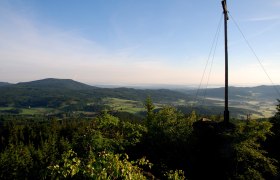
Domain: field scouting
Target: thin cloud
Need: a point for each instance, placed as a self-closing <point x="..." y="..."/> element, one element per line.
<point x="30" y="50"/>
<point x="268" y="18"/>
<point x="33" y="50"/>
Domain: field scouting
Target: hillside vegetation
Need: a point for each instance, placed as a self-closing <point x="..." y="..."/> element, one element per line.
<point x="165" y="144"/>
<point x="68" y="96"/>
<point x="62" y="129"/>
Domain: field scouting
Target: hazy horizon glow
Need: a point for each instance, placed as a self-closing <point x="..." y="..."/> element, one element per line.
<point x="135" y="42"/>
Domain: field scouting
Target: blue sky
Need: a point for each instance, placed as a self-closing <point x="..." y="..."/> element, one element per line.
<point x="136" y="42"/>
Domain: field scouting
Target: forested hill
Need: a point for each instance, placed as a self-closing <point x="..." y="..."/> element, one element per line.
<point x="55" y="84"/>
<point x="4" y="84"/>
<point x="241" y="93"/>
<point x="69" y="94"/>
<point x="55" y="92"/>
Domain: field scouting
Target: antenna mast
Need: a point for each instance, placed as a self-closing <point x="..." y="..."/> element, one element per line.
<point x="226" y="111"/>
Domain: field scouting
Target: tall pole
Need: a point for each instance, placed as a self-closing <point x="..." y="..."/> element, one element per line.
<point x="226" y="111"/>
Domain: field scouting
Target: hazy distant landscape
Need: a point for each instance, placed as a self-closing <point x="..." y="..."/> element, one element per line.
<point x="58" y="96"/>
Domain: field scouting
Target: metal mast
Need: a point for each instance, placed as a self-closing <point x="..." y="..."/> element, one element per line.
<point x="226" y="111"/>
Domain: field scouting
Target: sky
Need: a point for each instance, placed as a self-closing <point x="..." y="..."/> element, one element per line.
<point x="138" y="42"/>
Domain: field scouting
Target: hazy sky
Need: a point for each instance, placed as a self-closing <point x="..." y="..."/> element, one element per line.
<point x="136" y="41"/>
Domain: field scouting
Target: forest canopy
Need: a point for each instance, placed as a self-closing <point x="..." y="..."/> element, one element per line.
<point x="166" y="144"/>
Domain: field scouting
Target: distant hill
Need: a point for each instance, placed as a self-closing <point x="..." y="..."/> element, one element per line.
<point x="56" y="92"/>
<point x="55" y="83"/>
<point x="4" y="84"/>
<point x="241" y="93"/>
<point x="67" y="94"/>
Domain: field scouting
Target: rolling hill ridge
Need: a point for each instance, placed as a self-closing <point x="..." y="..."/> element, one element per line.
<point x="70" y="95"/>
<point x="43" y="92"/>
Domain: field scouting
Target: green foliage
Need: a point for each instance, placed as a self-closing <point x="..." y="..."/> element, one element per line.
<point x="107" y="121"/>
<point x="101" y="166"/>
<point x="273" y="145"/>
<point x="251" y="160"/>
<point x="107" y="133"/>
<point x="175" y="175"/>
<point x="275" y="120"/>
<point x="114" y="166"/>
<point x="172" y="125"/>
<point x="169" y="124"/>
<point x="168" y="139"/>
<point x="42" y="144"/>
<point x="15" y="162"/>
<point x="98" y="148"/>
<point x="68" y="167"/>
<point x="150" y="107"/>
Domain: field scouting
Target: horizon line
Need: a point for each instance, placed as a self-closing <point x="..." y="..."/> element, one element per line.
<point x="154" y="85"/>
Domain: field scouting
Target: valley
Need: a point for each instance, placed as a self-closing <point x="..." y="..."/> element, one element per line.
<point x="66" y="97"/>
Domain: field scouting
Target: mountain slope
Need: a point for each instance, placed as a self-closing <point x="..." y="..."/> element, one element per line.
<point x="241" y="93"/>
<point x="4" y="84"/>
<point x="56" y="92"/>
<point x="68" y="95"/>
<point x="55" y="83"/>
